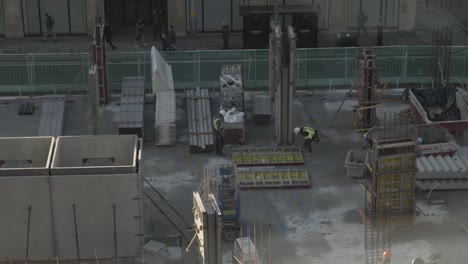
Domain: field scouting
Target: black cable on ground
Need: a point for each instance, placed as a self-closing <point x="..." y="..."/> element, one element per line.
<point x="167" y="217"/>
<point x="168" y="204"/>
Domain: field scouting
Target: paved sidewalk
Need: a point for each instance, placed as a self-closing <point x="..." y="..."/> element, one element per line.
<point x="426" y="20"/>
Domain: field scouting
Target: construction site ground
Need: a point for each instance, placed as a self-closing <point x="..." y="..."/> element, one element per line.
<point x="317" y="225"/>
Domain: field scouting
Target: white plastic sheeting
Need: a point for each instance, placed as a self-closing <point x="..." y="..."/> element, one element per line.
<point x="161" y="73"/>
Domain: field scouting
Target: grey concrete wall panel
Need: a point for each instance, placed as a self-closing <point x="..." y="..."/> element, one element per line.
<point x="84" y="155"/>
<point x="25" y="155"/>
<point x="16" y="194"/>
<point x="94" y="196"/>
<point x="52" y="197"/>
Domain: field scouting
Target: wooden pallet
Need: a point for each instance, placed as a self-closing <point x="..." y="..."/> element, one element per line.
<point x="251" y="157"/>
<point x="52" y="115"/>
<point x="266" y="178"/>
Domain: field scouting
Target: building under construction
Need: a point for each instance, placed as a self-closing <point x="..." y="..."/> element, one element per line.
<point x="117" y="157"/>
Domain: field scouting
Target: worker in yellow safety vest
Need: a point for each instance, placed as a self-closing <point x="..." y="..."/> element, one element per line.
<point x="218" y="125"/>
<point x="310" y="135"/>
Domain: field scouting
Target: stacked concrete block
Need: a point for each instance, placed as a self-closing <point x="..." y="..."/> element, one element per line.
<point x="447" y="172"/>
<point x="165" y="128"/>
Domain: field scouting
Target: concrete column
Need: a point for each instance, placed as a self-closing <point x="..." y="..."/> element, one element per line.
<point x="13" y="21"/>
<point x="407" y="15"/>
<point x="338" y="15"/>
<point x="93" y="8"/>
<point x="176" y="16"/>
<point x="91" y="12"/>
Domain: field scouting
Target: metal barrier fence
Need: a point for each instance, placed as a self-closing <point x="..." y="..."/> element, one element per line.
<point x="49" y="73"/>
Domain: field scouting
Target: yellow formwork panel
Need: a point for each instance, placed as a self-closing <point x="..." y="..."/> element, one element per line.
<point x="272" y="178"/>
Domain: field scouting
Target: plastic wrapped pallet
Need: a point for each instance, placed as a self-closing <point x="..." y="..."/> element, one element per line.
<point x="161" y="73"/>
<point x="165" y="128"/>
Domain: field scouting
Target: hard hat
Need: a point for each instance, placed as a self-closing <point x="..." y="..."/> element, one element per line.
<point x="417" y="261"/>
<point x="222" y="112"/>
<point x="387" y="254"/>
<point x="297" y="130"/>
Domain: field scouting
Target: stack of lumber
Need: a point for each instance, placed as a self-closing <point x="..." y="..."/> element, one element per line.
<point x="165" y="128"/>
<point x="199" y="121"/>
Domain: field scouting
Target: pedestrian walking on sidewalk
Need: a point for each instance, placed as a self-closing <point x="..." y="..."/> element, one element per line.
<point x="49" y="24"/>
<point x="156" y="26"/>
<point x="226" y="33"/>
<point x="140" y="33"/>
<point x="171" y="39"/>
<point x="108" y="34"/>
<point x="362" y="20"/>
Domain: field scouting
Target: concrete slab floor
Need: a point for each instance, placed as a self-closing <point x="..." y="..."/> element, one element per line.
<point x="316" y="225"/>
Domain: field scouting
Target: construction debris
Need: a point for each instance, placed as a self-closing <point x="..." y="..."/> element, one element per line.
<point x="441" y="106"/>
<point x="263" y="178"/>
<point x="165" y="127"/>
<point x="132" y="103"/>
<point x="248" y="157"/>
<point x="199" y="121"/>
<point x="231" y="88"/>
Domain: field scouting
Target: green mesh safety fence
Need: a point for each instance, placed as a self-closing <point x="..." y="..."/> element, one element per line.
<point x="321" y="67"/>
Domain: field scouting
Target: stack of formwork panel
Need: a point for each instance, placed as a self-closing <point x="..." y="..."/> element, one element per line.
<point x="442" y="172"/>
<point x="52" y="115"/>
<point x="199" y="121"/>
<point x="132" y="103"/>
<point x="165" y="128"/>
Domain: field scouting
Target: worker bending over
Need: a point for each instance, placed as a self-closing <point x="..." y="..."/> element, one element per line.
<point x="310" y="134"/>
<point x="218" y="125"/>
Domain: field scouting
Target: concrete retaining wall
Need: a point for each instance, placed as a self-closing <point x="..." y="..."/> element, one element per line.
<point x="53" y="198"/>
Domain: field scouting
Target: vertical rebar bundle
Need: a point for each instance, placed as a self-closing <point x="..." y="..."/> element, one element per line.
<point x="441" y="56"/>
<point x="283" y="80"/>
<point x="368" y="84"/>
<point x="390" y="184"/>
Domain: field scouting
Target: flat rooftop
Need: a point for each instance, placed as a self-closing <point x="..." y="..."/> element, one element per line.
<point x="316" y="225"/>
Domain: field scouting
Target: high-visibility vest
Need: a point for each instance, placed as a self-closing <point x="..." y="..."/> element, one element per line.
<point x="215" y="124"/>
<point x="311" y="132"/>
